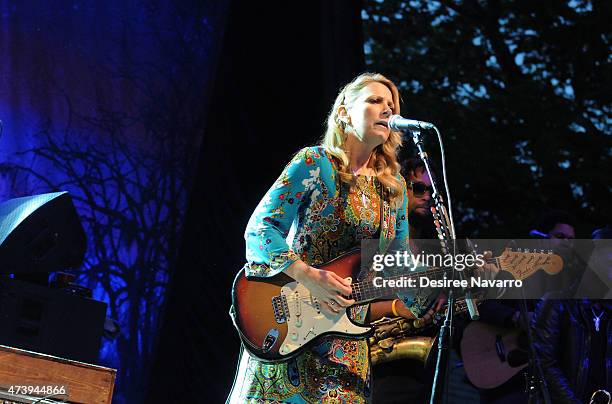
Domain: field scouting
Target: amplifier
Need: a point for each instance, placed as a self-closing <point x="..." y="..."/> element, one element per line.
<point x="50" y="321"/>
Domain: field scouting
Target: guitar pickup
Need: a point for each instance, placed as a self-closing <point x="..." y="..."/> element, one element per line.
<point x="281" y="309"/>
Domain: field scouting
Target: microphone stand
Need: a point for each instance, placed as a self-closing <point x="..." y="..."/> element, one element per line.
<point x="535" y="383"/>
<point x="445" y="235"/>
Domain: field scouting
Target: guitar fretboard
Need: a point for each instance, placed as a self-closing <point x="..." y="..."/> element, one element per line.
<point x="365" y="291"/>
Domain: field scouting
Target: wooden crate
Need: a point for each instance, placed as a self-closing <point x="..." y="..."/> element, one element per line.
<point x="84" y="383"/>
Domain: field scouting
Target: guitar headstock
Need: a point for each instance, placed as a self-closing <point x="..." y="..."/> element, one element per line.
<point x="522" y="263"/>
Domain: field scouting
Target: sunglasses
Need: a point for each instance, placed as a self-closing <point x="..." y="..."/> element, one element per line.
<point x="419" y="188"/>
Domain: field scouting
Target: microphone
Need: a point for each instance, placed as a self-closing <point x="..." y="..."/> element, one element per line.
<point x="398" y="123"/>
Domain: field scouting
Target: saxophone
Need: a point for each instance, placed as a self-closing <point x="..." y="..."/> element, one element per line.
<point x="395" y="338"/>
<point x="400" y="338"/>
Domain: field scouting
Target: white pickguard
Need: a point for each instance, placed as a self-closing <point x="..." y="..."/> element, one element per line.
<point x="307" y="321"/>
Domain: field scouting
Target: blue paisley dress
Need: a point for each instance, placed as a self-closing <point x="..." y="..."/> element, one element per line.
<point x="310" y="214"/>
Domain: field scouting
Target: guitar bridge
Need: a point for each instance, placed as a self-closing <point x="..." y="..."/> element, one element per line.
<point x="281" y="308"/>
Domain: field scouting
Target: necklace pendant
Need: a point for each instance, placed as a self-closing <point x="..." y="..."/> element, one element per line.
<point x="596" y="318"/>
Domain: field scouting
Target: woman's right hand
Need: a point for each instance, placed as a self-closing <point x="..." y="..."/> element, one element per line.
<point x="327" y="287"/>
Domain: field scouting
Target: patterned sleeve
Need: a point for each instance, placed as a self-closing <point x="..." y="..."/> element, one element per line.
<point x="267" y="251"/>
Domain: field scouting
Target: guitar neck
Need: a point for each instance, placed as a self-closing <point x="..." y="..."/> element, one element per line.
<point x="365" y="291"/>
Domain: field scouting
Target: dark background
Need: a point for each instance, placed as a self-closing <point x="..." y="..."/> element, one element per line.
<point x="277" y="77"/>
<point x="521" y="93"/>
<point x="168" y="120"/>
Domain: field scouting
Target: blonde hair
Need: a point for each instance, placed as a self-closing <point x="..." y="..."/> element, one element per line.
<point x="384" y="156"/>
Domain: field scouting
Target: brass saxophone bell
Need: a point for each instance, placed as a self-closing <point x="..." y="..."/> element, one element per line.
<point x="391" y="349"/>
<point x="395" y="338"/>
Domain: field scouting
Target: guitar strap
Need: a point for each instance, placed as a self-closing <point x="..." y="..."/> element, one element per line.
<point x="383" y="232"/>
<point x="385" y="217"/>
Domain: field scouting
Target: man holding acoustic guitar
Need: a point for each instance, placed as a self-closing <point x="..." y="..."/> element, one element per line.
<point x="495" y="349"/>
<point x="407" y="380"/>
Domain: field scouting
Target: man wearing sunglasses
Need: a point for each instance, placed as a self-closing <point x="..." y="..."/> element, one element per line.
<point x="420" y="219"/>
<point x="404" y="381"/>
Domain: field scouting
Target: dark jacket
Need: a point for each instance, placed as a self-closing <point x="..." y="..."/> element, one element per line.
<point x="562" y="331"/>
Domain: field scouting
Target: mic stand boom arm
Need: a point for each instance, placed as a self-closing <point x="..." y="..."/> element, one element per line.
<point x="444" y="226"/>
<point x="446" y="234"/>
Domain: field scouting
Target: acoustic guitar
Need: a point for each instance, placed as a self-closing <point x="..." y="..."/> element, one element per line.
<point x="492" y="354"/>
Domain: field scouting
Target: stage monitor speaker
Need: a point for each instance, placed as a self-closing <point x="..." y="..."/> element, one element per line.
<point x="40" y="233"/>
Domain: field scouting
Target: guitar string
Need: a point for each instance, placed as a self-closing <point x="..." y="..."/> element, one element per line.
<point x="366" y="289"/>
<point x="363" y="291"/>
<point x="460" y="305"/>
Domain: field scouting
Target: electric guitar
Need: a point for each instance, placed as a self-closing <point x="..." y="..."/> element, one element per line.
<point x="276" y="317"/>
